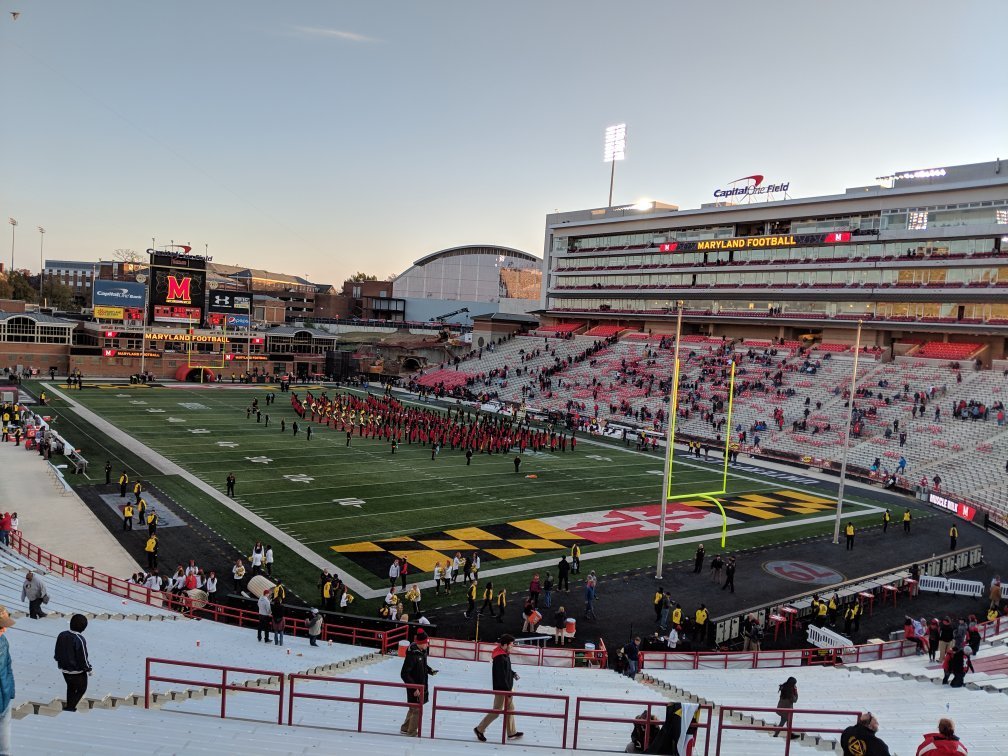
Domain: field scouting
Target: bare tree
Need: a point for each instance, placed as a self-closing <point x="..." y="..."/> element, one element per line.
<point x="127" y="256"/>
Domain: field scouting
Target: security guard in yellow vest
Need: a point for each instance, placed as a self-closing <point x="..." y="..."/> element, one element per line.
<point x="659" y="595"/>
<point x="142" y="510"/>
<point x="849" y="532"/>
<point x="128" y="517"/>
<point x="906" y="521"/>
<point x="327" y="594"/>
<point x="501" y="603"/>
<point x="471" y="597"/>
<point x="152" y="549"/>
<point x="677" y="616"/>
<point x="152" y="523"/>
<point x="821" y="610"/>
<point x="488" y="596"/>
<point x="886" y="519"/>
<point x="123" y="482"/>
<point x="137" y="489"/>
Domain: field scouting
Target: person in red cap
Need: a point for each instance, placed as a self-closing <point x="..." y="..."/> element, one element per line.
<point x="414" y="672"/>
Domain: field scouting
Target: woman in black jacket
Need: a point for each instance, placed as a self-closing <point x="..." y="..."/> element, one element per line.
<point x="72" y="659"/>
<point x="788" y="697"/>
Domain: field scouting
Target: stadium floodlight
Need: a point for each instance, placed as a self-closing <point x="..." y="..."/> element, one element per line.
<point x="13" y="224"/>
<point x="615" y="149"/>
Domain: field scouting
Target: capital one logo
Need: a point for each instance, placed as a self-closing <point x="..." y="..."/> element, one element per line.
<point x="178" y="290"/>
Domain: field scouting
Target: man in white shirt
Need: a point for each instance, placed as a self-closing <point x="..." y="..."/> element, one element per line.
<point x="269" y="561"/>
<point x="265" y="616"/>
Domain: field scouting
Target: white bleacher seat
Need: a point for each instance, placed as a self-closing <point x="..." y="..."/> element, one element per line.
<point x="118" y="648"/>
<point x="65" y="595"/>
<point x="905" y="709"/>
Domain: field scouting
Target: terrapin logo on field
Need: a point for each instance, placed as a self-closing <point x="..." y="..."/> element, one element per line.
<point x="749" y="186"/>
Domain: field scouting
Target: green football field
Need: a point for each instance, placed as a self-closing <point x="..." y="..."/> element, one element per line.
<point x="361" y="505"/>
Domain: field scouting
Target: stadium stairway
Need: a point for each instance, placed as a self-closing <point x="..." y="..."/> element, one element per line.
<point x="905" y="708"/>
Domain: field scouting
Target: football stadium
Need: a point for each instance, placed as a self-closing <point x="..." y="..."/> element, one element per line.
<point x="727" y="480"/>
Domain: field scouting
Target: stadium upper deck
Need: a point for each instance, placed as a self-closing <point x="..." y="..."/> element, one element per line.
<point x="925" y="251"/>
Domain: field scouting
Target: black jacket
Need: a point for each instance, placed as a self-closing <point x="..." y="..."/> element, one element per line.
<point x="503" y="675"/>
<point x="564" y="568"/>
<point x="415" y="669"/>
<point x="858" y="740"/>
<point x="71" y="652"/>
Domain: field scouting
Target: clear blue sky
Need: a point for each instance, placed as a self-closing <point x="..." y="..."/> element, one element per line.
<point x="324" y="137"/>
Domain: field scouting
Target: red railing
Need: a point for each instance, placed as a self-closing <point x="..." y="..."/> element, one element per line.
<point x="787" y="728"/>
<point x="360" y="700"/>
<point x="508" y="695"/>
<point x="223" y="686"/>
<point x="774" y="658"/>
<point x="579" y="718"/>
<point x="537" y="656"/>
<point x="384" y="639"/>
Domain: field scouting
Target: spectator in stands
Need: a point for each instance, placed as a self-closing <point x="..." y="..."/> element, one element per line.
<point x="944" y="741"/>
<point x="72" y="659"/>
<point x="504" y="678"/>
<point x="34" y="592"/>
<point x="786" y="700"/>
<point x="415" y="671"/>
<point x="6" y="683"/>
<point x="861" y="739"/>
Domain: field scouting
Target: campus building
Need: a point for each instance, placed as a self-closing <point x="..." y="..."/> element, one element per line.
<point x="918" y="255"/>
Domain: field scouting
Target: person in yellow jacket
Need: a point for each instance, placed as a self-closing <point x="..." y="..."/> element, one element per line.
<point x="328" y="600"/>
<point x="142" y="510"/>
<point x="152" y="523"/>
<point x="137" y="490"/>
<point x="488" y="597"/>
<point x="822" y="609"/>
<point x="501" y="603"/>
<point x="279" y="592"/>
<point x="152" y="551"/>
<point x="700" y="617"/>
<point x="128" y="517"/>
<point x="886" y="519"/>
<point x="575" y="559"/>
<point x="849" y="532"/>
<point x="906" y="522"/>
<point x="123" y="482"/>
<point x="953" y="537"/>
<point x="659" y="595"/>
<point x="471" y="597"/>
<point x="677" y="617"/>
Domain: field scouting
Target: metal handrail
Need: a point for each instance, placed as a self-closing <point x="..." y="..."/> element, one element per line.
<point x="360" y="699"/>
<point x="579" y="717"/>
<point x="223" y="686"/>
<point x="788" y="728"/>
<point x="508" y="694"/>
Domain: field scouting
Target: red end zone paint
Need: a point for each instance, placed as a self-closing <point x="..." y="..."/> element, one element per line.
<point x="629" y="523"/>
<point x="803" y="572"/>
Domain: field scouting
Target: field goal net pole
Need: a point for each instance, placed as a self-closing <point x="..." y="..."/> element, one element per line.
<point x="711" y="496"/>
<point x="667" y="474"/>
<point x="203" y="367"/>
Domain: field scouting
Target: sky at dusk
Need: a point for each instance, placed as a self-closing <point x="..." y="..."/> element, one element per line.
<point x="319" y="137"/>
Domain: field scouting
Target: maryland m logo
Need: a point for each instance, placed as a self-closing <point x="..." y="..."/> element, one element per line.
<point x="178" y="291"/>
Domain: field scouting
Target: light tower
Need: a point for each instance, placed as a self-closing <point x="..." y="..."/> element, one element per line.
<point x="615" y="149"/>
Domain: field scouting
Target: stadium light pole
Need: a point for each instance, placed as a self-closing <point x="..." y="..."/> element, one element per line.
<point x="850" y="420"/>
<point x="45" y="301"/>
<point x="615" y="149"/>
<point x="13" y="224"/>
<point x="667" y="477"/>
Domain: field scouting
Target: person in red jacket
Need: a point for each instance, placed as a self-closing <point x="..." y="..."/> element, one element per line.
<point x="945" y="741"/>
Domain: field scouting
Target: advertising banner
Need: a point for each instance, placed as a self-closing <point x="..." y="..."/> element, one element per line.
<point x="119" y="294"/>
<point x="237" y="303"/>
<point x="101" y="312"/>
<point x="231" y="322"/>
